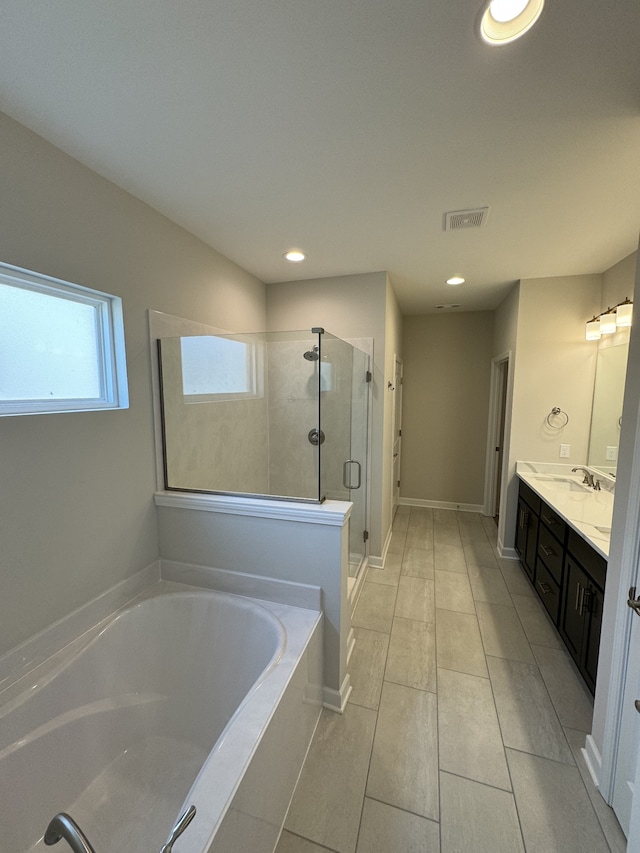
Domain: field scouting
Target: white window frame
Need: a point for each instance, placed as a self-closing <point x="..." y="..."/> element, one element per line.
<point x="254" y="367"/>
<point x="109" y="339"/>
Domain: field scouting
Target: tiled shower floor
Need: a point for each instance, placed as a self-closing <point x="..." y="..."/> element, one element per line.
<point x="464" y="727"/>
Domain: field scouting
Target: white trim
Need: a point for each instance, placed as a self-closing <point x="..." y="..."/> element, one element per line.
<point x="441" y="505"/>
<point x="331" y="513"/>
<point x="358" y="581"/>
<point x="622" y="573"/>
<point x="108" y="340"/>
<point x="378" y="562"/>
<point x="507" y="553"/>
<point x="498" y="377"/>
<point x="336" y="700"/>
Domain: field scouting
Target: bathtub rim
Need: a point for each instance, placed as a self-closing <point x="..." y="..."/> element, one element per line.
<point x="237" y="743"/>
<point x="24" y="688"/>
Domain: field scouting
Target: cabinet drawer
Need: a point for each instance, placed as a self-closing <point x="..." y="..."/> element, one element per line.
<point x="548" y="590"/>
<point x="550" y="551"/>
<point x="593" y="563"/>
<point x="554" y="523"/>
<point x="530" y="497"/>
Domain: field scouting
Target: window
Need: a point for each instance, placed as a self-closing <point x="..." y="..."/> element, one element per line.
<point x="218" y="368"/>
<point x="61" y="346"/>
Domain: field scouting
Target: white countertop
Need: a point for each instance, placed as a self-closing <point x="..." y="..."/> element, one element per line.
<point x="588" y="511"/>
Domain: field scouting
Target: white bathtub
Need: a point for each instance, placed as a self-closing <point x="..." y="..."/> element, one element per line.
<point x="186" y="697"/>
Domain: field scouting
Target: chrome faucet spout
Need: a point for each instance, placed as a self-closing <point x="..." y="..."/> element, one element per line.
<point x="63" y="826"/>
<point x="182" y="823"/>
<point x="588" y="477"/>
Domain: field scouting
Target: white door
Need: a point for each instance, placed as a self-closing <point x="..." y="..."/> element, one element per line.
<point x="397" y="430"/>
<point x="627" y="766"/>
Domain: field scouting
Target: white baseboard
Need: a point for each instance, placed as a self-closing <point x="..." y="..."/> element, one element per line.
<point x="442" y="505"/>
<point x="336" y="700"/>
<point x="378" y="562"/>
<point x="507" y="553"/>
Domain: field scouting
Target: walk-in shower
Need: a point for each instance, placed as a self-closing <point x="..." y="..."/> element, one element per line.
<point x="282" y="415"/>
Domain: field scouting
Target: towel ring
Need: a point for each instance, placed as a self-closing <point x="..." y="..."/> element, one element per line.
<point x="553" y="414"/>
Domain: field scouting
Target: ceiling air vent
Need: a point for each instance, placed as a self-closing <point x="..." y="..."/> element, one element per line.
<point x="454" y="220"/>
<point x="451" y="305"/>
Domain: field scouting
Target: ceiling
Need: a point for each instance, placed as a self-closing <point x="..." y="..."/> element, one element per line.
<point x="348" y="129"/>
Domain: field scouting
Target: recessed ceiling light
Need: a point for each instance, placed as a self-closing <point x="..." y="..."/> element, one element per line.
<point x="505" y="21"/>
<point x="455" y="279"/>
<point x="295" y="256"/>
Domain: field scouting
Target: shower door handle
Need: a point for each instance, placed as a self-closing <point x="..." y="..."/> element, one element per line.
<point x="345" y="474"/>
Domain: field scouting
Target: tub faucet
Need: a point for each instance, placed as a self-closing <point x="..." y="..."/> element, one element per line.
<point x="182" y="823"/>
<point x="588" y="477"/>
<point x="63" y="826"/>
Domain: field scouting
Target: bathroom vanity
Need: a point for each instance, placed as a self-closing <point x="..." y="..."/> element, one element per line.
<point x="562" y="538"/>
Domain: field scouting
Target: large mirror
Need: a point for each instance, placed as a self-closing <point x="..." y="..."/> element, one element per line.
<point x="606" y="414"/>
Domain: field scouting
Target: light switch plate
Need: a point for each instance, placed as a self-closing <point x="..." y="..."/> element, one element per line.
<point x="612" y="454"/>
<point x="565" y="451"/>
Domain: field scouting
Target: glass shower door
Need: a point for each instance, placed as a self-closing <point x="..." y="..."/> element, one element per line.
<point x="344" y="396"/>
<point x="358" y="474"/>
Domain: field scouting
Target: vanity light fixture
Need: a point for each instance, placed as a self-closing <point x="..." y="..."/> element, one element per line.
<point x="624" y="313"/>
<point x="295" y="256"/>
<point x="610" y="320"/>
<point x="593" y="332"/>
<point x="505" y="21"/>
<point x="455" y="279"/>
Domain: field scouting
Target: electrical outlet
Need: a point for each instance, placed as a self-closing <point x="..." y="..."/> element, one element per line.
<point x="565" y="451"/>
<point x="611" y="454"/>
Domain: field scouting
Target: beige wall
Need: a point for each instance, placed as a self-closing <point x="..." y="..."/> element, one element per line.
<point x="447" y="367"/>
<point x="350" y="307"/>
<point x="618" y="282"/>
<point x="76" y="506"/>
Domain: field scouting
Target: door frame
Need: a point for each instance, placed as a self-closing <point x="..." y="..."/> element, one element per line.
<point x="623" y="572"/>
<point x="396" y="427"/>
<point x="501" y="377"/>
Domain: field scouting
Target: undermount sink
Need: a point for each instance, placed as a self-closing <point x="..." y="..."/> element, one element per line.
<point x="566" y="485"/>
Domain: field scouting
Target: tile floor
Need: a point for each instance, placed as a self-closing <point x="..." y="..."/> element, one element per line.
<point x="466" y="720"/>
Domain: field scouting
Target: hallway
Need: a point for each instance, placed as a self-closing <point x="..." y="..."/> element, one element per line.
<point x="466" y="720"/>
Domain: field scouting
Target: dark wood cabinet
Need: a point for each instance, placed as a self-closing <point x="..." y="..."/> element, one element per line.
<point x="581" y="614"/>
<point x="567" y="573"/>
<point x="527" y="529"/>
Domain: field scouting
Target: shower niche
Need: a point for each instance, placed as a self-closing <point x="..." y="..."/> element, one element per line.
<point x="280" y="415"/>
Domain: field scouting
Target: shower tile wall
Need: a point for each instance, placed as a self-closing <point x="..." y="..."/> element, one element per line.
<point x="212" y="446"/>
<point x="292" y="384"/>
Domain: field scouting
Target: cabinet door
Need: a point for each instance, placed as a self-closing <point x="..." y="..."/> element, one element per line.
<point x="572" y="619"/>
<point x="521" y="529"/>
<point x="591" y="646"/>
<point x="532" y="545"/>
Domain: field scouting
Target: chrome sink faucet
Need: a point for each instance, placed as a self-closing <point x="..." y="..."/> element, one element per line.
<point x="588" y="478"/>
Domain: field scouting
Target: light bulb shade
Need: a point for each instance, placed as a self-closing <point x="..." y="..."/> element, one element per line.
<point x="608" y="323"/>
<point x="624" y="314"/>
<point x="593" y="330"/>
